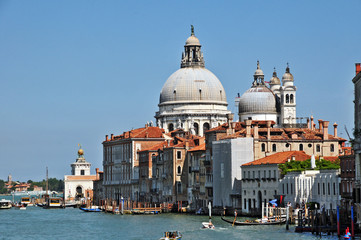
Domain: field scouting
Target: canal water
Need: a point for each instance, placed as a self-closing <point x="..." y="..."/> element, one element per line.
<point x="72" y="223"/>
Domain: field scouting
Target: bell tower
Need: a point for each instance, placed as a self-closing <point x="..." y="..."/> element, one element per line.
<point x="81" y="166"/>
<point x="288" y="99"/>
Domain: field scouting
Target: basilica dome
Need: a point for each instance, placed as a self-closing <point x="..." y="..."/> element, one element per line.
<point x="193" y="84"/>
<point x="257" y="99"/>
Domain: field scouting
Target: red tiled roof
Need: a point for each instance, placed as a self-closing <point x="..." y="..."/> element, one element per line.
<point x="280" y="157"/>
<point x="201" y="147"/>
<point x="81" y="177"/>
<point x="146" y="132"/>
<point x="155" y="147"/>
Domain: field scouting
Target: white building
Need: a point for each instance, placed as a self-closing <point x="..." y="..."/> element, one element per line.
<point x="228" y="156"/>
<point x="260" y="179"/>
<point x="319" y="186"/>
<point x="80" y="181"/>
<point x="192" y="98"/>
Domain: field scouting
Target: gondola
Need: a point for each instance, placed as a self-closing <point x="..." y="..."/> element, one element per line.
<point x="248" y="223"/>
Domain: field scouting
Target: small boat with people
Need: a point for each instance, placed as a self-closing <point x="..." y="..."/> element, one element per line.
<point x="209" y="224"/>
<point x="171" y="236"/>
<point x="5" y="204"/>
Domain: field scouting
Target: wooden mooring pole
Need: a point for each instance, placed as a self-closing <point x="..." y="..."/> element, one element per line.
<point x="338" y="221"/>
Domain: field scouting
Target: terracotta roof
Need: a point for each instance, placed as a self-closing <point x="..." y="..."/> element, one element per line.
<point x="155" y="147"/>
<point x="280" y="157"/>
<point x="201" y="147"/>
<point x="330" y="158"/>
<point x="146" y="132"/>
<point x="81" y="177"/>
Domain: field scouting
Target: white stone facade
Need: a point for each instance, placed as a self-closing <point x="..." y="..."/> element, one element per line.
<point x="320" y="186"/>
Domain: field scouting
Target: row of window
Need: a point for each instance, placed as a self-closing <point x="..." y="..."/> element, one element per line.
<point x="259" y="174"/>
<point x="300" y="147"/>
<point x="206" y="127"/>
<point x="289" y="188"/>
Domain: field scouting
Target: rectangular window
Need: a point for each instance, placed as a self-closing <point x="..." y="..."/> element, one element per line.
<point x="179" y="154"/>
<point x="328" y="188"/>
<point x="259" y="174"/>
<point x="264" y="173"/>
<point x="274" y="174"/>
<point x="253" y="174"/>
<point x="287" y="188"/>
<point x="222" y="170"/>
<point x="283" y="188"/>
<point x="291" y="188"/>
<point x="245" y="203"/>
<point x="334" y="189"/>
<point x="323" y="189"/>
<point x="269" y="173"/>
<point x="318" y="188"/>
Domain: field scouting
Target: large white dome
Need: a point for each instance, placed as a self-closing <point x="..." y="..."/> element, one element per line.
<point x="193" y="84"/>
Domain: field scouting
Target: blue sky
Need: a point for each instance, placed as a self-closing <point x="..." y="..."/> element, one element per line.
<point x="73" y="71"/>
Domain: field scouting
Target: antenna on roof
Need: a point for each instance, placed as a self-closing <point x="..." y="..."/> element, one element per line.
<point x="347" y="134"/>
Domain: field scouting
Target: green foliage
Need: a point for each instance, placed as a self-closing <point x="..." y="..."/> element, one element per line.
<point x="2" y="187"/>
<point x="54" y="184"/>
<point x="293" y="166"/>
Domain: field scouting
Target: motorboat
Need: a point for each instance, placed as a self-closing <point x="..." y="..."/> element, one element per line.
<point x="91" y="209"/>
<point x="255" y="222"/>
<point x="54" y="202"/>
<point x="209" y="225"/>
<point x="5" y="204"/>
<point x="26" y="201"/>
<point x="171" y="236"/>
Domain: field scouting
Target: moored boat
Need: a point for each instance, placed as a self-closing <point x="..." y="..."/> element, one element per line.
<point x="255" y="222"/>
<point x="54" y="202"/>
<point x="92" y="209"/>
<point x="171" y="236"/>
<point x="26" y="201"/>
<point x="5" y="204"/>
<point x="209" y="224"/>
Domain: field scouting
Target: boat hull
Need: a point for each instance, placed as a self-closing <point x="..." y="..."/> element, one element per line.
<point x="238" y="223"/>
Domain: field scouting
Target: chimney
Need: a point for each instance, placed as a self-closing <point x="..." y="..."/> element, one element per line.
<point x="308" y="123"/>
<point x="325" y="130"/>
<point x="358" y="68"/>
<point x="268" y="130"/>
<point x="293" y="158"/>
<point x="255" y="132"/>
<point x="248" y="128"/>
<point x="97" y="173"/>
<point x="229" y="122"/>
<point x="320" y="125"/>
<point x="187" y="145"/>
<point x="106" y="138"/>
<point x="335" y="130"/>
<point x="312" y="123"/>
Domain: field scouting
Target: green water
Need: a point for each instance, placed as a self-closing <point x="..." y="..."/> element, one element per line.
<point x="72" y="223"/>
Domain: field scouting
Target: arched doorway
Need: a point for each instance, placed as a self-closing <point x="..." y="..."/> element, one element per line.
<point x="170" y="127"/>
<point x="206" y="127"/>
<point x="79" y="192"/>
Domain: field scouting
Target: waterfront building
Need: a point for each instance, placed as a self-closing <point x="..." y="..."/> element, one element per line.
<point x="260" y="179"/>
<point x="80" y="183"/>
<point x="192" y="98"/>
<point x="316" y="186"/>
<point x="347" y="167"/>
<point x="357" y="141"/>
<point x="228" y="156"/>
<point x="197" y="168"/>
<point x="98" y="189"/>
<point x="121" y="162"/>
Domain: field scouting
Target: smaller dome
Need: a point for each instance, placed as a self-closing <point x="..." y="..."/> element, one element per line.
<point x="192" y="41"/>
<point x="275" y="80"/>
<point x="258" y="99"/>
<point x="287" y="76"/>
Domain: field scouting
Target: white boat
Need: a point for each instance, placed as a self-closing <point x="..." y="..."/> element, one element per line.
<point x="209" y="224"/>
<point x="22" y="208"/>
<point x="5" y="204"/>
<point x="54" y="202"/>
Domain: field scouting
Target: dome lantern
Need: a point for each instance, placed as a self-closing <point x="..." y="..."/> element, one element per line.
<point x="258" y="76"/>
<point x="192" y="55"/>
<point x="287" y="76"/>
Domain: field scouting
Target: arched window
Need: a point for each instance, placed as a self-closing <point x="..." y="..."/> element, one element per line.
<point x="170" y="127"/>
<point x="287" y="98"/>
<point x="332" y="148"/>
<point x="274" y="148"/>
<point x="301" y="147"/>
<point x="318" y="148"/>
<point x="196" y="128"/>
<point x="205" y="127"/>
<point x="263" y="147"/>
<point x="179" y="170"/>
<point x="291" y="98"/>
